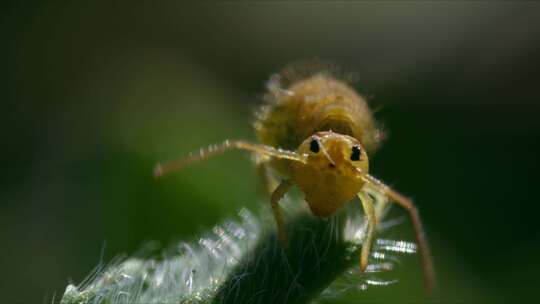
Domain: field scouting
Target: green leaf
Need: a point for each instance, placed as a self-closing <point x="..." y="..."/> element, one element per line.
<point x="241" y="261"/>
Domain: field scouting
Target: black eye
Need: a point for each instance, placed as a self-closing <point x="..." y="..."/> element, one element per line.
<point x="356" y="152"/>
<point x="314" y="145"/>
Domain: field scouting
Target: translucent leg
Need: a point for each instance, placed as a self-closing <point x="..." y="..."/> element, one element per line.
<point x="269" y="182"/>
<point x="423" y="247"/>
<point x="276" y="211"/>
<point x="371" y="221"/>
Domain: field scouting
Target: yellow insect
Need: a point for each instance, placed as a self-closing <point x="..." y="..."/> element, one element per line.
<point x="316" y="132"/>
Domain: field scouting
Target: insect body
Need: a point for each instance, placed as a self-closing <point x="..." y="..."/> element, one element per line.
<point x="328" y="124"/>
<point x="316" y="133"/>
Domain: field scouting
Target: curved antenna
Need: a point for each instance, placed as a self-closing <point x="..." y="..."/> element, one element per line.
<point x="205" y="153"/>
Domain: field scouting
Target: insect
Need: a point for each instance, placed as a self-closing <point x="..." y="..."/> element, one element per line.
<point x="316" y="133"/>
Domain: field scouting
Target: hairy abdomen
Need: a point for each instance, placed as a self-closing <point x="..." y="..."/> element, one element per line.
<point x="318" y="103"/>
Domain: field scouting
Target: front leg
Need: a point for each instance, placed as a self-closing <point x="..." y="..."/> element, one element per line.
<point x="277" y="195"/>
<point x="371" y="221"/>
<point x="269" y="182"/>
<point x="398" y="198"/>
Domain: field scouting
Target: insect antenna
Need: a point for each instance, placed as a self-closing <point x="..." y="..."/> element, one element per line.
<point x="205" y="153"/>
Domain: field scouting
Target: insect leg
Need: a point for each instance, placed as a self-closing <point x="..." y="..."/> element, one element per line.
<point x="161" y="169"/>
<point x="425" y="255"/>
<point x="369" y="210"/>
<point x="268" y="181"/>
<point x="277" y="195"/>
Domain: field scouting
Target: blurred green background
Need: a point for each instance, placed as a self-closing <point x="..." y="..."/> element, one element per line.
<point x="95" y="94"/>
